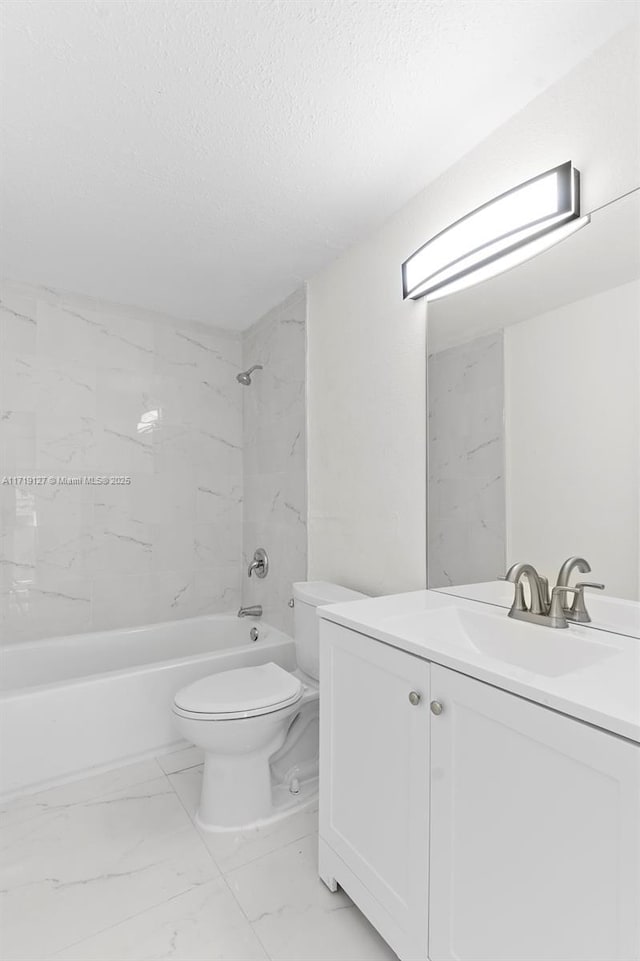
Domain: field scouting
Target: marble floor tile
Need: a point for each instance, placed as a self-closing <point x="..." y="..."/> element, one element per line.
<point x="204" y="923"/>
<point x="81" y="868"/>
<point x="296" y="917"/>
<point x="112" y="867"/>
<point x="63" y="796"/>
<point x="235" y="848"/>
<point x="186" y="784"/>
<point x="181" y="760"/>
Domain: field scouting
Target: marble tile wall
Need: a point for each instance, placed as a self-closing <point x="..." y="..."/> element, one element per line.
<point x="275" y="491"/>
<point x="90" y="389"/>
<point x="466" y="509"/>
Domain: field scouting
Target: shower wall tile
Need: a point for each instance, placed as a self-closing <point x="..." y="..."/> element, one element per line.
<point x="18" y="327"/>
<point x="43" y="603"/>
<point x="275" y="486"/>
<point x="467" y="516"/>
<point x="91" y="389"/>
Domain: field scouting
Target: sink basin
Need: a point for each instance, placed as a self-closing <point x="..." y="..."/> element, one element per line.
<point x="541" y="650"/>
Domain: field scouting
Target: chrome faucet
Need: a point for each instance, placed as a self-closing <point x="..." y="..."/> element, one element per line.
<point x="550" y="611"/>
<point x="254" y="611"/>
<point x="542" y="610"/>
<point x="572" y="564"/>
<point x="537" y="589"/>
<point x="259" y="564"/>
<point x="577" y="610"/>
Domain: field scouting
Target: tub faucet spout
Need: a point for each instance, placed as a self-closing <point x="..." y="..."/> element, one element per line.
<point x="255" y="611"/>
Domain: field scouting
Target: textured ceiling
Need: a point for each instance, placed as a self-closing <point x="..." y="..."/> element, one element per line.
<point x="203" y="158"/>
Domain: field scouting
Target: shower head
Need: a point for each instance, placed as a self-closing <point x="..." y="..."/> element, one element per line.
<point x="245" y="377"/>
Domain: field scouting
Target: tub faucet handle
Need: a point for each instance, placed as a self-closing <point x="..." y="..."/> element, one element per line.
<point x="260" y="563"/>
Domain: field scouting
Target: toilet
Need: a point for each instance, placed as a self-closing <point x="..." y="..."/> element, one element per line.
<point x="258" y="727"/>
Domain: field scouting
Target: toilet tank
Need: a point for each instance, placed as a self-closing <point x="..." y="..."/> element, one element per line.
<point x="307" y="596"/>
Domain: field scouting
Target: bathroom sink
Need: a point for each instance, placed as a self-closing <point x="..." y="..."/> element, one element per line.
<point x="541" y="650"/>
<point x="589" y="675"/>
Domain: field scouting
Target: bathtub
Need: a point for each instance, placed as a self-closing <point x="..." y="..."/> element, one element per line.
<point x="84" y="703"/>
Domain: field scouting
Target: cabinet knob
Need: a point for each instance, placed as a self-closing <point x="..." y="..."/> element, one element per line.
<point x="414" y="698"/>
<point x="436" y="708"/>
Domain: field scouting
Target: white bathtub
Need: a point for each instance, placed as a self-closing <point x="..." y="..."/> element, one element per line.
<point x="71" y="704"/>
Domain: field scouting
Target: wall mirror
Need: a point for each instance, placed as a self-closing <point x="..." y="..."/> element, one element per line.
<point x="534" y="416"/>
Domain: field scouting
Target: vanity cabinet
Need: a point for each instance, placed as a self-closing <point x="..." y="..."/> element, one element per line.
<point x="494" y="830"/>
<point x="535" y="841"/>
<point x="374" y="777"/>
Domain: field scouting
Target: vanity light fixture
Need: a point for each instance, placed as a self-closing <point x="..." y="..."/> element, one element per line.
<point x="504" y="232"/>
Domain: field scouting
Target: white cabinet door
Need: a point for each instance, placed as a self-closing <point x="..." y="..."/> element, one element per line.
<point x="374" y="770"/>
<point x="535" y="846"/>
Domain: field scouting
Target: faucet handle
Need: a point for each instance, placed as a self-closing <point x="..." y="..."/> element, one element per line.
<point x="519" y="602"/>
<point x="557" y="611"/>
<point x="578" y="611"/>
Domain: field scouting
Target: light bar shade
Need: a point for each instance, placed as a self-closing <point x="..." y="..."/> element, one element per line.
<point x="484" y="242"/>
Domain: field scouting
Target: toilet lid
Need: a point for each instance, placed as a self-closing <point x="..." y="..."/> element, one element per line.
<point x="241" y="692"/>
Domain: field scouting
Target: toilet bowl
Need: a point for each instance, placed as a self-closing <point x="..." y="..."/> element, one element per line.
<point x="258" y="728"/>
<point x="239" y="718"/>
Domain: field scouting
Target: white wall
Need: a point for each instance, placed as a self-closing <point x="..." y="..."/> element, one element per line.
<point x="366" y="349"/>
<point x="573" y="449"/>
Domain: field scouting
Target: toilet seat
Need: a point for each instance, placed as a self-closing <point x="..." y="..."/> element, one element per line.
<point x="240" y="693"/>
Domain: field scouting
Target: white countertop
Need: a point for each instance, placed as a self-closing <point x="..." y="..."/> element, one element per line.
<point x="595" y="677"/>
